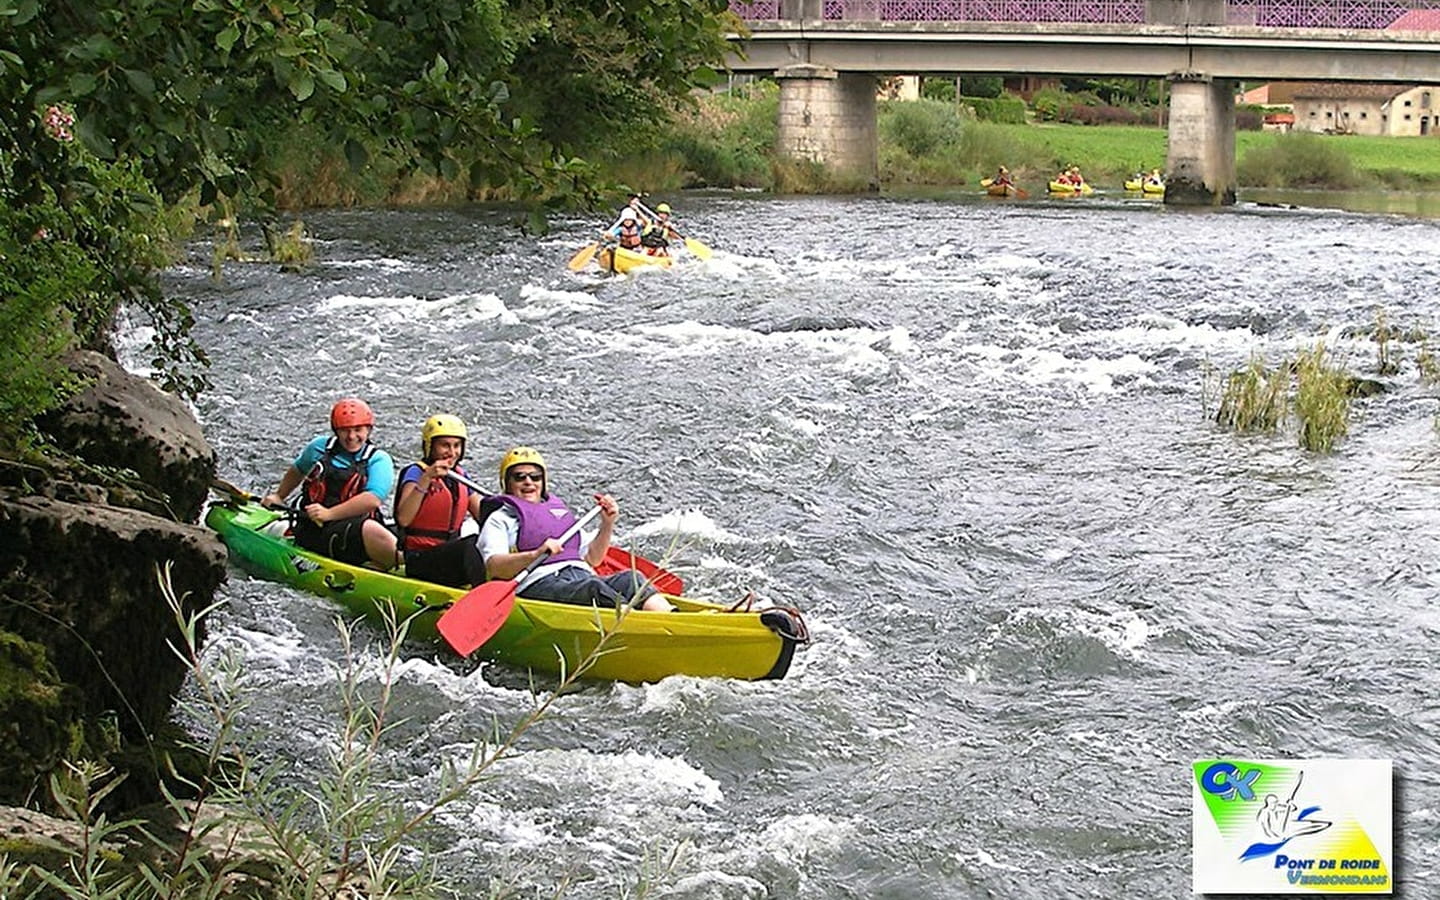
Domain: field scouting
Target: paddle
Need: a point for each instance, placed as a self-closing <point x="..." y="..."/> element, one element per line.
<point x="478" y="614"/>
<point x="616" y="559"/>
<point x="694" y="246"/>
<point x="582" y="259"/>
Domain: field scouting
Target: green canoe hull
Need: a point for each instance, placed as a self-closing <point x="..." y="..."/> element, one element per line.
<point x="700" y="639"/>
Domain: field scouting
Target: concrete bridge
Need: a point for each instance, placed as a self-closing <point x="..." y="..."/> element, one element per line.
<point x="826" y="55"/>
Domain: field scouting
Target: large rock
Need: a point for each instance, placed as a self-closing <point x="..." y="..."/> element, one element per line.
<point x="122" y="420"/>
<point x="81" y="580"/>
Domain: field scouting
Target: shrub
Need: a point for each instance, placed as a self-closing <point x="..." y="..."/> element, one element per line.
<point x="942" y="89"/>
<point x="1298" y="159"/>
<point x="729" y="138"/>
<point x="1009" y="109"/>
<point x="920" y="128"/>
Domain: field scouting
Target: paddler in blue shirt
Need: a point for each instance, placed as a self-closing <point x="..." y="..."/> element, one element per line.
<point x="345" y="479"/>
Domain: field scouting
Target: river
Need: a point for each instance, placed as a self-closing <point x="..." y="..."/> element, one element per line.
<point x="970" y="440"/>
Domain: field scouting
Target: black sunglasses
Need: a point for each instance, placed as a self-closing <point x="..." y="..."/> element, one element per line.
<point x="536" y="477"/>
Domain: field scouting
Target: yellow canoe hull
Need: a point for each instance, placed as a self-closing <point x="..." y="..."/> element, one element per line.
<point x="1070" y="190"/>
<point x="1148" y="187"/>
<point x="618" y="259"/>
<point x="700" y="639"/>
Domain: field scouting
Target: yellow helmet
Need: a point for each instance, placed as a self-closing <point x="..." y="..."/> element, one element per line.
<point x="663" y="208"/>
<point x="442" y="425"/>
<point x="519" y="456"/>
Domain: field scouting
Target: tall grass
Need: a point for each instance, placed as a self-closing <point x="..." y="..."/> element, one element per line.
<point x="1310" y="390"/>
<point x="1322" y="400"/>
<point x="237" y="827"/>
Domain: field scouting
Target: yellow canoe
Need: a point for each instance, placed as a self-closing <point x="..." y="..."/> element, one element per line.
<point x="699" y="638"/>
<point x="618" y="259"/>
<point x="1062" y="189"/>
<point x="1146" y="187"/>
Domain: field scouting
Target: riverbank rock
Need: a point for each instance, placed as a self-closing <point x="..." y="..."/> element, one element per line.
<point x="87" y="665"/>
<point x="124" y="421"/>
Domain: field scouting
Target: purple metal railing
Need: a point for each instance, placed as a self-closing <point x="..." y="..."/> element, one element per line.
<point x="1358" y="14"/>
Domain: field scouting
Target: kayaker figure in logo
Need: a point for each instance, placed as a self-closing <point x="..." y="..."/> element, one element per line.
<point x="524" y="521"/>
<point x="345" y="480"/>
<point x="1275" y="817"/>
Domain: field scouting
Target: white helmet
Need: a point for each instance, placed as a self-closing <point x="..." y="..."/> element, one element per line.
<point x="627" y="213"/>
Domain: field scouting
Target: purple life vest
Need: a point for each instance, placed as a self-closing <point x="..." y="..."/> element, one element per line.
<point x="541" y="521"/>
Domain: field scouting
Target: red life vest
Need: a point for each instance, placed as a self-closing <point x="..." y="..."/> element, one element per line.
<point x="629" y="237"/>
<point x="441" y="513"/>
<point x="331" y="485"/>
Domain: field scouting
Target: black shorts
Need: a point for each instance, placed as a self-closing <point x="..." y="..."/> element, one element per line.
<point x="455" y="563"/>
<point x="342" y="539"/>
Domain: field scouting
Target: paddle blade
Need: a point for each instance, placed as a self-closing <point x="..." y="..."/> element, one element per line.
<point x="1022" y="193"/>
<point x="582" y="259"/>
<point x="986" y="182"/>
<point x="700" y="250"/>
<point x="617" y="560"/>
<point x="476" y="616"/>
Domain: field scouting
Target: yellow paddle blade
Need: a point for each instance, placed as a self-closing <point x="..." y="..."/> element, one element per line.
<point x="986" y="182"/>
<point x="700" y="250"/>
<point x="582" y="259"/>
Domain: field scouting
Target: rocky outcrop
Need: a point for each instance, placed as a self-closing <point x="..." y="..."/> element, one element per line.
<point x="122" y="420"/>
<point x="87" y="669"/>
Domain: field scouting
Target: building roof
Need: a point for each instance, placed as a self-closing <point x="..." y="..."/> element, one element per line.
<point x="1274" y="93"/>
<point x="1416" y="20"/>
<point x="1343" y="90"/>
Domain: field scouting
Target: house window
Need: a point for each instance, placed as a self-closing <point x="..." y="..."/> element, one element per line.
<point x="1407" y="102"/>
<point x="1425" y="100"/>
<point x="1312" y="113"/>
<point x="1329" y="114"/>
<point x="1407" y="117"/>
<point x="1364" y="115"/>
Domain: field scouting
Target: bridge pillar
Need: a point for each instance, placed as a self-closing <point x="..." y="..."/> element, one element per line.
<point x="829" y="118"/>
<point x="1200" y="164"/>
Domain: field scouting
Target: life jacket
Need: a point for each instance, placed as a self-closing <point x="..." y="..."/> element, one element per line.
<point x="329" y="484"/>
<point x="539" y="522"/>
<point x="629" y="236"/>
<point x="441" y="513"/>
<point x="655" y="235"/>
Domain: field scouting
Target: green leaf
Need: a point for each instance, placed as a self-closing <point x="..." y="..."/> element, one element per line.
<point x="25" y="11"/>
<point x="332" y="79"/>
<point x="143" y="84"/>
<point x="82" y="84"/>
<point x="302" y="85"/>
<point x="438" y="71"/>
<point x="227" y="38"/>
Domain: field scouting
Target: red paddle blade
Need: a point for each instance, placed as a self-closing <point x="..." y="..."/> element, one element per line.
<point x="476" y="616"/>
<point x="618" y="560"/>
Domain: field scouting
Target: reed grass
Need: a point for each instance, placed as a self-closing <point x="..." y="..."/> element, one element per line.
<point x="1426" y="364"/>
<point x="1254" y="399"/>
<point x="1386" y="362"/>
<point x="1310" y="390"/>
<point x="1322" y="400"/>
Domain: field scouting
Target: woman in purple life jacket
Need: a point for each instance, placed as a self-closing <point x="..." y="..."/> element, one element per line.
<point x="526" y="520"/>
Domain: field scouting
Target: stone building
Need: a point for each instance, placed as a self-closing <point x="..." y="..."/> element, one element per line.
<point x="1372" y="109"/>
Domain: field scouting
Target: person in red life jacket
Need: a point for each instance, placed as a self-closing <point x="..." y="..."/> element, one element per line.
<point x="431" y="508"/>
<point x="627" y="229"/>
<point x="526" y="520"/>
<point x="656" y="236"/>
<point x="345" y="479"/>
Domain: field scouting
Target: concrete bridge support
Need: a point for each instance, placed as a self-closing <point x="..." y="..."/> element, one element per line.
<point x="829" y="118"/>
<point x="1200" y="165"/>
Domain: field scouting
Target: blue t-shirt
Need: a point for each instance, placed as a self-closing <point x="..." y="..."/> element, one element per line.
<point x="379" y="471"/>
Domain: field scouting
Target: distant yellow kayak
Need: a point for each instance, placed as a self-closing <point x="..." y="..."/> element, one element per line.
<point x="1062" y="189"/>
<point x="618" y="259"/>
<point x="1147" y="187"/>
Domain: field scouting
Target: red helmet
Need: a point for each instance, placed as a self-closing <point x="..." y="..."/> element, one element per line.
<point x="350" y="412"/>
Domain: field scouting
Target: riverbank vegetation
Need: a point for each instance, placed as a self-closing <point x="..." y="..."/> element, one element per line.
<point x="235" y="823"/>
<point x="940" y="140"/>
<point x="122" y="122"/>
